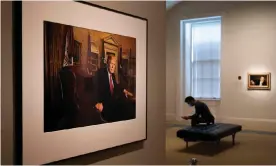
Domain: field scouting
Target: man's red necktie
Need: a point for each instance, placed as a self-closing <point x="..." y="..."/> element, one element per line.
<point x="111" y="84"/>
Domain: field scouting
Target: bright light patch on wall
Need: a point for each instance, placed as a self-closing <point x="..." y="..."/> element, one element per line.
<point x="262" y="95"/>
<point x="201" y="54"/>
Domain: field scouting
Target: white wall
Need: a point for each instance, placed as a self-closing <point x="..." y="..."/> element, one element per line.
<point x="248" y="32"/>
<point x="153" y="150"/>
<point x="249" y="40"/>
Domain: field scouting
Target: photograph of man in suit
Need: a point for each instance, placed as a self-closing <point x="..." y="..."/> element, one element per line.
<point x="112" y="99"/>
<point x="259" y="82"/>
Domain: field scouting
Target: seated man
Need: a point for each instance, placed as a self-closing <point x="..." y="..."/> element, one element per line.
<point x="202" y="112"/>
<point x="112" y="98"/>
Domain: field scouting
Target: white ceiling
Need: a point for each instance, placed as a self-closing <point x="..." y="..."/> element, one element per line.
<point x="171" y="3"/>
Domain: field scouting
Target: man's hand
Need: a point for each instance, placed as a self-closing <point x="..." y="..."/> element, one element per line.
<point x="99" y="106"/>
<point x="127" y="93"/>
<point x="185" y="117"/>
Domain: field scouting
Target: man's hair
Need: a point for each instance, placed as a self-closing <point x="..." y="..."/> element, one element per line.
<point x="189" y="99"/>
<point x="109" y="57"/>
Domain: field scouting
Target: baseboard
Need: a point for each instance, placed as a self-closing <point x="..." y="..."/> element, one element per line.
<point x="251" y="124"/>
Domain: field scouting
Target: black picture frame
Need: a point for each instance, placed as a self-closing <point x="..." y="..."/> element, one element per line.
<point x="17" y="75"/>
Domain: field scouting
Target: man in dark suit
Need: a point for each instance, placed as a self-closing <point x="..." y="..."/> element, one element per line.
<point x="112" y="98"/>
<point x="202" y="112"/>
<point x="261" y="82"/>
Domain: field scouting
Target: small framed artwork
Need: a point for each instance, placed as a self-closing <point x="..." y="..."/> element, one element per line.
<point x="259" y="81"/>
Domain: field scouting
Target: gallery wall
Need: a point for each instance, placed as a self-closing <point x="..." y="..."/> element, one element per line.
<point x="0" y="81"/>
<point x="152" y="151"/>
<point x="248" y="45"/>
<point x="6" y="84"/>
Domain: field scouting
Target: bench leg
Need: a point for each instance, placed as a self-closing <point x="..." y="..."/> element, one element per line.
<point x="233" y="138"/>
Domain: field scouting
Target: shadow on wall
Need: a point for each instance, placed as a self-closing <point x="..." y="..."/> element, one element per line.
<point x="92" y="158"/>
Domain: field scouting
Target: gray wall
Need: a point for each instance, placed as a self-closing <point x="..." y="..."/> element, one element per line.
<point x="6" y="84"/>
<point x="153" y="150"/>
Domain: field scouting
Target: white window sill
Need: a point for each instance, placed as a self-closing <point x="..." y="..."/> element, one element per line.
<point x="208" y="99"/>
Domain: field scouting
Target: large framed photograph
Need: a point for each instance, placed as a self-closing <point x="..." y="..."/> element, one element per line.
<point x="259" y="81"/>
<point x="83" y="73"/>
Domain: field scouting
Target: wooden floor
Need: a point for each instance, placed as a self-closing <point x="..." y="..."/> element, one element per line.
<point x="252" y="148"/>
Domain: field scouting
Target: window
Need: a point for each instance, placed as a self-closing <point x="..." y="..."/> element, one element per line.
<point x="201" y="47"/>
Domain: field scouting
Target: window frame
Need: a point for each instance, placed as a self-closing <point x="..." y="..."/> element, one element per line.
<point x="186" y="52"/>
